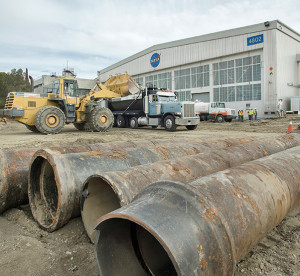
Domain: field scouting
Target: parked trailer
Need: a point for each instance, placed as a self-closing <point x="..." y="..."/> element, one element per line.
<point x="153" y="107"/>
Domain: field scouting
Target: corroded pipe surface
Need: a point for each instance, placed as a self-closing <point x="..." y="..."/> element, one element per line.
<point x="55" y="180"/>
<point x="15" y="165"/>
<point x="108" y="191"/>
<point x="204" y="228"/>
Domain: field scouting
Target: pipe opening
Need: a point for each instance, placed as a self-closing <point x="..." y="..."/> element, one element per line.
<point x="43" y="192"/>
<point x="144" y="253"/>
<point x="97" y="199"/>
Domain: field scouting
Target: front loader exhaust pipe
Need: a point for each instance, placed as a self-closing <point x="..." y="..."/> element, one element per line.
<point x="108" y="191"/>
<point x="203" y="228"/>
<point x="55" y="180"/>
<point x="31" y="83"/>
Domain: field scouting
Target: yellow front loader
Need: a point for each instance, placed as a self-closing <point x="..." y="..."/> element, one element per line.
<point x="49" y="112"/>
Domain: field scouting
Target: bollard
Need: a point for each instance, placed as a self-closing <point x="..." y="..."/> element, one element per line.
<point x="203" y="228"/>
<point x="55" y="180"/>
<point x="109" y="191"/>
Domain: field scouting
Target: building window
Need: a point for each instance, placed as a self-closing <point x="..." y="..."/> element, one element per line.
<point x="200" y="76"/>
<point x="183" y="95"/>
<point x="139" y="80"/>
<point x="163" y="80"/>
<point x="216" y="94"/>
<point x="238" y="93"/>
<point x="192" y="77"/>
<point x="238" y="71"/>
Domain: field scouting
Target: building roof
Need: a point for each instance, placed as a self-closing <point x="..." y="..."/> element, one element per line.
<point x="268" y="25"/>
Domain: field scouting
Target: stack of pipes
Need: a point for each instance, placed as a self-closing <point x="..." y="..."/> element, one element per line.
<point x="164" y="207"/>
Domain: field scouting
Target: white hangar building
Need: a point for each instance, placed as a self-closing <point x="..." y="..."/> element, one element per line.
<point x="249" y="67"/>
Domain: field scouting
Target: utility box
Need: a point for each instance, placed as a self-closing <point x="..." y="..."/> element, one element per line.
<point x="295" y="103"/>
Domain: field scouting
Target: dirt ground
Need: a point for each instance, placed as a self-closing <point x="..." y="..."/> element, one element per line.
<point x="28" y="250"/>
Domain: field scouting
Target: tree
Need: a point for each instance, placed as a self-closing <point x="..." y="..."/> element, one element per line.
<point x="16" y="80"/>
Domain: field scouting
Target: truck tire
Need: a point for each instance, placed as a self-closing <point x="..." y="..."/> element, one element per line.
<point x="134" y="122"/>
<point x="169" y="123"/>
<point x="228" y="120"/>
<point x="220" y="119"/>
<point x="32" y="128"/>
<point x="193" y="127"/>
<point x="50" y="120"/>
<point x="101" y="119"/>
<point x="121" y="121"/>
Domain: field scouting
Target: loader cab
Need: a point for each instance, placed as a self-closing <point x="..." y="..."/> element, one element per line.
<point x="65" y="87"/>
<point x="70" y="87"/>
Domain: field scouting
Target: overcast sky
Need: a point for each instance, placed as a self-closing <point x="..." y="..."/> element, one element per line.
<point x="89" y="35"/>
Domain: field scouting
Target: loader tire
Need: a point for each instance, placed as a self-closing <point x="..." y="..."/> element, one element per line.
<point x="101" y="119"/>
<point x="50" y="120"/>
<point x="32" y="128"/>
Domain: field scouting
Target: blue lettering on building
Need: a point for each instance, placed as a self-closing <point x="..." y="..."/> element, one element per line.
<point x="155" y="60"/>
<point x="255" y="40"/>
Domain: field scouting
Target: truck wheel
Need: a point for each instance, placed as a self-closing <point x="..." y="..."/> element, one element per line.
<point x="220" y="119"/>
<point x="169" y="123"/>
<point x="32" y="128"/>
<point x="101" y="119"/>
<point x="133" y="122"/>
<point x="121" y="121"/>
<point x="191" y="127"/>
<point x="49" y="120"/>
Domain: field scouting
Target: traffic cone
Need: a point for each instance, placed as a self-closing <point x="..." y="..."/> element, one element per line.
<point x="290" y="129"/>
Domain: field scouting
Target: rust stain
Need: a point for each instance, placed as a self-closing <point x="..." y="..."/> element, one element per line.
<point x="201" y="201"/>
<point x="163" y="152"/>
<point x="209" y="215"/>
<point x="239" y="193"/>
<point x="203" y="261"/>
<point x="265" y="153"/>
<point x="215" y="211"/>
<point x="205" y="219"/>
<point x="93" y="153"/>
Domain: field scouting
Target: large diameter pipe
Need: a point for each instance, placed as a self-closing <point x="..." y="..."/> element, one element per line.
<point x="55" y="180"/>
<point x="108" y="191"/>
<point x="15" y="166"/>
<point x="204" y="228"/>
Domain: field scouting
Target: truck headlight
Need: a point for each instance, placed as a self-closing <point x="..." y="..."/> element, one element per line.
<point x="177" y="113"/>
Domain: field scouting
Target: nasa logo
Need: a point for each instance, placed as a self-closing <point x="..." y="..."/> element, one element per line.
<point x="155" y="59"/>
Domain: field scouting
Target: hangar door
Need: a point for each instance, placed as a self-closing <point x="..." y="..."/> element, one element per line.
<point x="201" y="97"/>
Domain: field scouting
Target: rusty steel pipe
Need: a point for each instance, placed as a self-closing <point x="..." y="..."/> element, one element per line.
<point x="203" y="228"/>
<point x="109" y="191"/>
<point x="55" y="180"/>
<point x="15" y="166"/>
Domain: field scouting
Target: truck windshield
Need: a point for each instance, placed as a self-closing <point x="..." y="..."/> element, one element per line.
<point x="221" y="105"/>
<point x="166" y="98"/>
